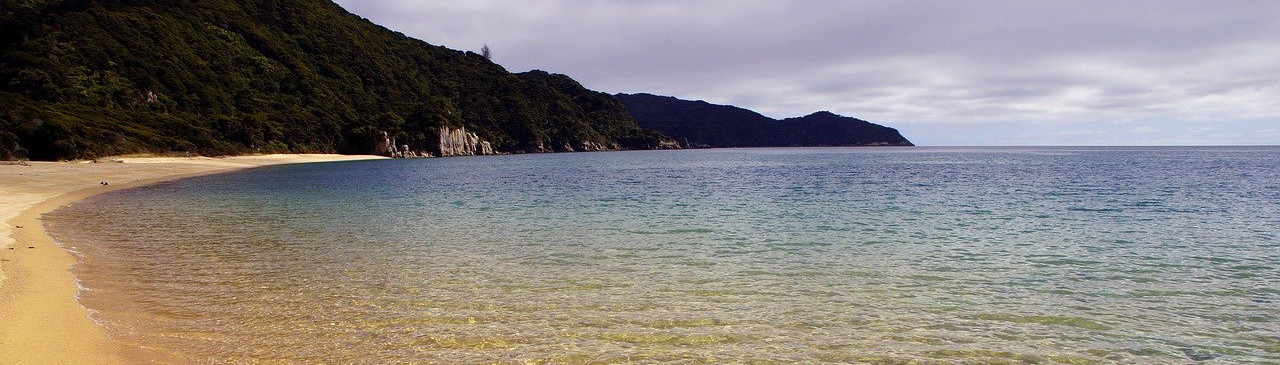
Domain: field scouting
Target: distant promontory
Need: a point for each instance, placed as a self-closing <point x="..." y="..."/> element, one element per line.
<point x="702" y="124"/>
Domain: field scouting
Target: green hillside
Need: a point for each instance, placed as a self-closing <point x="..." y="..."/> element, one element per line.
<point x="86" y="78"/>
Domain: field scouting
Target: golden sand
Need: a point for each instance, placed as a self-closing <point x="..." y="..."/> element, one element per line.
<point x="41" y="321"/>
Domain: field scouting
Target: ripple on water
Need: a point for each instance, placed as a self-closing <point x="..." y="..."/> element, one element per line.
<point x="932" y="256"/>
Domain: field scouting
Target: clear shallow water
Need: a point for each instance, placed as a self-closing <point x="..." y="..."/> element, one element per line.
<point x="924" y="255"/>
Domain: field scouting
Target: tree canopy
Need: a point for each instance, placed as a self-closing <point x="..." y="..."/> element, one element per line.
<point x="87" y="78"/>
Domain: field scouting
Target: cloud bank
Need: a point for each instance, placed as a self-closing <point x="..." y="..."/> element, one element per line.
<point x="943" y="72"/>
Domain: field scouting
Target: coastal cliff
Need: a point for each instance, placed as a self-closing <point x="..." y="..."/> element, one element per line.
<point x="451" y="142"/>
<point x="457" y="142"/>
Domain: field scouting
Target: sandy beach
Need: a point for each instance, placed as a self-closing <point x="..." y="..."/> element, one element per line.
<point x="41" y="321"/>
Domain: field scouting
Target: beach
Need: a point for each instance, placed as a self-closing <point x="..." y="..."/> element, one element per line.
<point x="805" y="255"/>
<point x="938" y="255"/>
<point x="41" y="320"/>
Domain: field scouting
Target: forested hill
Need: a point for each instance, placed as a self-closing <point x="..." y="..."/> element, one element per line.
<point x="86" y="78"/>
<point x="698" y="123"/>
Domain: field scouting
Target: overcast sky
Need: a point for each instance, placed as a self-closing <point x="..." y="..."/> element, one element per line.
<point x="942" y="72"/>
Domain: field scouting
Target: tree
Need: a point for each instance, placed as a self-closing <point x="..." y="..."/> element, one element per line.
<point x="485" y="52"/>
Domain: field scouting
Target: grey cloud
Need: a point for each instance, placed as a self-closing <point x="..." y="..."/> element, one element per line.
<point x="920" y="64"/>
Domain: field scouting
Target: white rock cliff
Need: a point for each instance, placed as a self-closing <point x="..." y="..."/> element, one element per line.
<point x="457" y="142"/>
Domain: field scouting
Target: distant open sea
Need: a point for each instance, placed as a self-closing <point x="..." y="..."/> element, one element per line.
<point x="1057" y="255"/>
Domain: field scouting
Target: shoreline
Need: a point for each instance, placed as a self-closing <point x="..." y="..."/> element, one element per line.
<point x="41" y="319"/>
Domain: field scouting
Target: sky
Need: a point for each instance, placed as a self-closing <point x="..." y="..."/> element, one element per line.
<point x="1015" y="72"/>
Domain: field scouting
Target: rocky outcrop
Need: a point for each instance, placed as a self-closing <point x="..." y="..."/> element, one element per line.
<point x="592" y="146"/>
<point x="457" y="142"/>
<point x="385" y="146"/>
<point x="405" y="152"/>
<point x="596" y="146"/>
<point x="460" y="142"/>
<point x="668" y="144"/>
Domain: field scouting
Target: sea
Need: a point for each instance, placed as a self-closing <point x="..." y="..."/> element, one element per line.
<point x="912" y="255"/>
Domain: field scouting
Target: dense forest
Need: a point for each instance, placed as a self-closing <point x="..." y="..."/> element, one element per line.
<point x="88" y="78"/>
<point x="701" y="124"/>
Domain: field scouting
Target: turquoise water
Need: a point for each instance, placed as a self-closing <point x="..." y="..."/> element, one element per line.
<point x="841" y="255"/>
